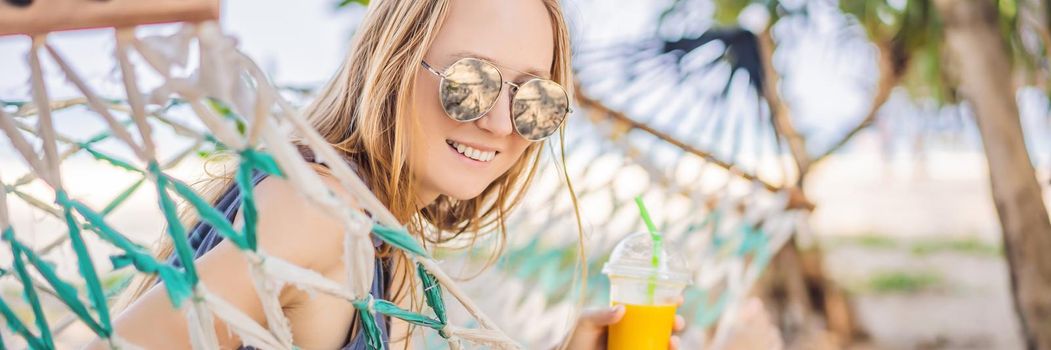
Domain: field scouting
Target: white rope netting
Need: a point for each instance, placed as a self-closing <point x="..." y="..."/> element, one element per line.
<point x="227" y="77"/>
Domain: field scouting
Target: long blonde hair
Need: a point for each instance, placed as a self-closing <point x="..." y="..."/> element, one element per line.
<point x="359" y="116"/>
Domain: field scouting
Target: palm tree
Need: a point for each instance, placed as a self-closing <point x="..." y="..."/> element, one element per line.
<point x="981" y="49"/>
<point x="971" y="52"/>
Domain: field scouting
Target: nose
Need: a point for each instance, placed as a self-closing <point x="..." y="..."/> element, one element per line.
<point x="498" y="120"/>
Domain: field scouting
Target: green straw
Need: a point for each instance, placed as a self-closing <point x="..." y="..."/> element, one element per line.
<point x="657" y="243"/>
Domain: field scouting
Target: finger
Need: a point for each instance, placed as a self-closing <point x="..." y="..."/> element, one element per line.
<point x="673" y="344"/>
<point x="605" y="317"/>
<point x="679" y="300"/>
<point x="680" y="323"/>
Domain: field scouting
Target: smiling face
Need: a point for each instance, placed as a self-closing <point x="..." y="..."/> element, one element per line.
<point x="461" y="159"/>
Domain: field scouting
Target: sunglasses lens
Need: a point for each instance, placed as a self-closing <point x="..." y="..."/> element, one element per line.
<point x="538" y="109"/>
<point x="469" y="89"/>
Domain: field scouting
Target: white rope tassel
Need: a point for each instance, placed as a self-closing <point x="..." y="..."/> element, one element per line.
<point x="214" y="75"/>
<point x="5" y="220"/>
<point x="45" y="129"/>
<point x="485" y="337"/>
<point x="359" y="259"/>
<point x="263" y="102"/>
<point x="7" y="123"/>
<point x="304" y="279"/>
<point x="268" y="290"/>
<point x="247" y="330"/>
<point x="454" y="343"/>
<point x="200" y="324"/>
<point x="131" y="87"/>
<point x="94" y="102"/>
<point x="163" y="52"/>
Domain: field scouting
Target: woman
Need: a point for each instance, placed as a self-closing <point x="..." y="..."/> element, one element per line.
<point x="420" y="110"/>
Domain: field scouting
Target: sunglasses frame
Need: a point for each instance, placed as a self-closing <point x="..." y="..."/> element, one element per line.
<point x="513" y="90"/>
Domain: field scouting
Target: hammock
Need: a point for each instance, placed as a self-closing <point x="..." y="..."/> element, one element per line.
<point x="225" y="90"/>
<point x="731" y="221"/>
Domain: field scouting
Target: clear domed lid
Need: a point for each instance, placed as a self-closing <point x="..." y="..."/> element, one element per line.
<point x="633" y="257"/>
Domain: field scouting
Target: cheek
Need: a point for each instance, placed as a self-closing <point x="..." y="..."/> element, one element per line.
<point x="432" y="124"/>
<point x="518" y="149"/>
<point x="428" y="111"/>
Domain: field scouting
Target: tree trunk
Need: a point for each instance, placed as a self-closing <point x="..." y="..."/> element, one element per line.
<point x="974" y="41"/>
<point x="811" y="311"/>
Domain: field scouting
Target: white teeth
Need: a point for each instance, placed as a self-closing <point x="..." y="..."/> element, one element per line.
<point x="481" y="156"/>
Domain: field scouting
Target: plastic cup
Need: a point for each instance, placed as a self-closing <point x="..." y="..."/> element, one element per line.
<point x="649" y="294"/>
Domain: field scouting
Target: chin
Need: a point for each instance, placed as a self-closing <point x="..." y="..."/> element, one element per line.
<point x="464" y="193"/>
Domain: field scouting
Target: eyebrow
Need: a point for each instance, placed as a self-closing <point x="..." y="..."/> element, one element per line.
<point x="536" y="72"/>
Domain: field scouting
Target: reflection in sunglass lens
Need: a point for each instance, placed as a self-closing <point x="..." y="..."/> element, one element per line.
<point x="538" y="108"/>
<point x="469" y="89"/>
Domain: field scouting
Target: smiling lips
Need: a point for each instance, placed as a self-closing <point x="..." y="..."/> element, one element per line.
<point x="471" y="152"/>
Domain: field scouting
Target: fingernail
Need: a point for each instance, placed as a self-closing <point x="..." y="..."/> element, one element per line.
<point x="616" y="308"/>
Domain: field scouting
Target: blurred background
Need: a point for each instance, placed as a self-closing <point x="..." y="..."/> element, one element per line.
<point x="877" y="172"/>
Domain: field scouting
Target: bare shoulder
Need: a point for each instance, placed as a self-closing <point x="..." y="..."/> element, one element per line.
<point x="294" y="228"/>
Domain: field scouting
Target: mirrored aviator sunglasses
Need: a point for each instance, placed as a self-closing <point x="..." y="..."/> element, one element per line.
<point x="470" y="87"/>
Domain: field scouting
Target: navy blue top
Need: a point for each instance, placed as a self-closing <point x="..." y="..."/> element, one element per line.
<point x="203" y="237"/>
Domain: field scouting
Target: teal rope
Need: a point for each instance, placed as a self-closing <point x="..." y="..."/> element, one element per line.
<point x="96" y="294"/>
<point x="109" y="159"/>
<point x="178" y="289"/>
<point x="389" y="309"/>
<point x="250" y="214"/>
<point x="123" y="196"/>
<point x="432" y="292"/>
<point x="370" y="329"/>
<point x="179" y="283"/>
<point x="45" y="341"/>
<point x="66" y="292"/>
<point x="252" y="159"/>
<point x="207" y="212"/>
<point x="16" y="325"/>
<point x="175" y="229"/>
<point x="399" y="238"/>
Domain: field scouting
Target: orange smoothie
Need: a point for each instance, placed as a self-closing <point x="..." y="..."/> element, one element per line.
<point x="644" y="327"/>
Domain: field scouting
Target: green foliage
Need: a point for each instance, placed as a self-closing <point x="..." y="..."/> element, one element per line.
<point x="726" y="11"/>
<point x="914" y="35"/>
<point x="868" y="240"/>
<point x="913" y="32"/>
<point x="970" y="246"/>
<point x="345" y="3"/>
<point x="905" y="281"/>
<point x="228" y="113"/>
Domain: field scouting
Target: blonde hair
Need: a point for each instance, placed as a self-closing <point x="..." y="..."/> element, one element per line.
<point x="359" y="116"/>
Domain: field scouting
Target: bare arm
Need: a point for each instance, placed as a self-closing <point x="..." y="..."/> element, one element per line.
<point x="289" y="228"/>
